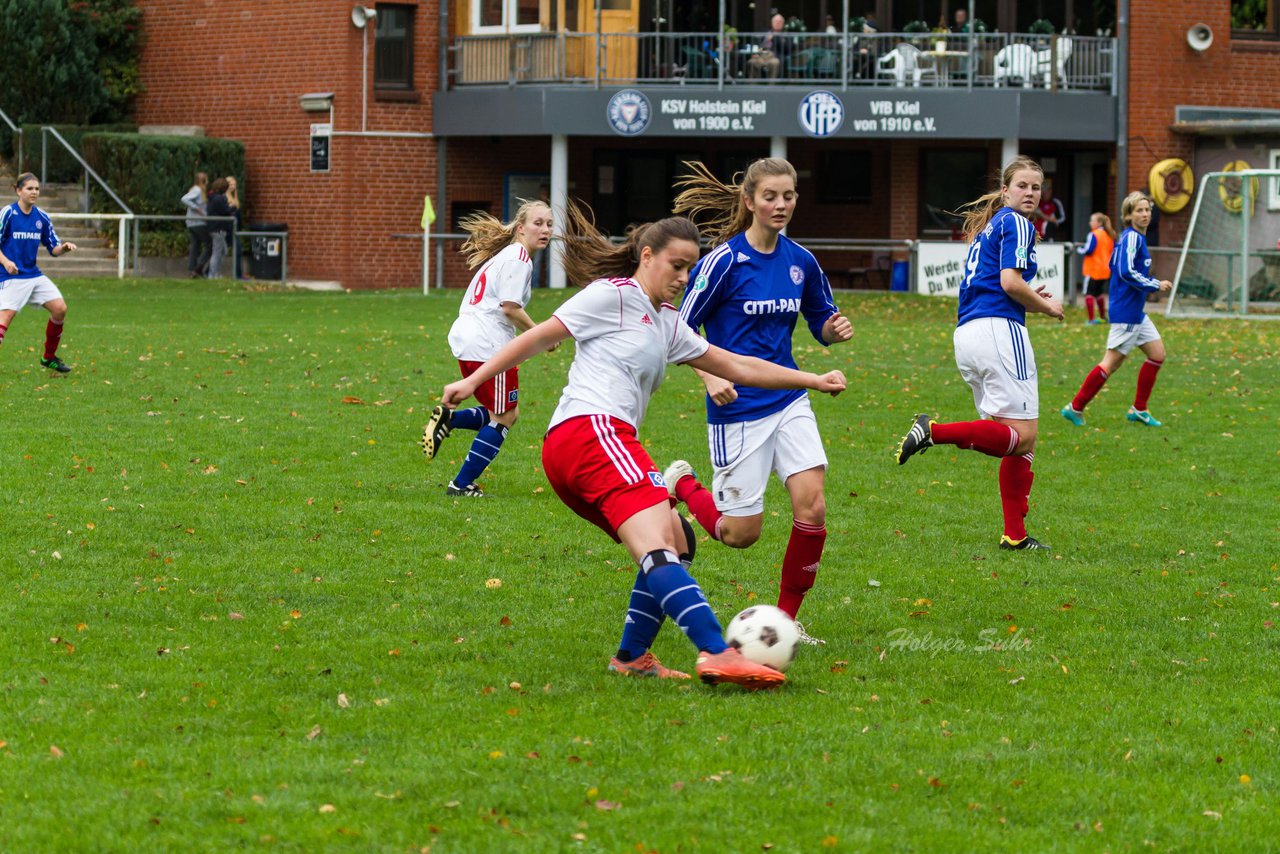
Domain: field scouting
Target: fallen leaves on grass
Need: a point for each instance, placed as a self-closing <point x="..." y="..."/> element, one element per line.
<point x="343" y="702"/>
<point x="314" y="733"/>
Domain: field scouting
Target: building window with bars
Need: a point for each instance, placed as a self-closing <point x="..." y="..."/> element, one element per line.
<point x="393" y="49"/>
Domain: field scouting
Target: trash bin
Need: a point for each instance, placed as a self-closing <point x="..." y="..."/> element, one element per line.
<point x="901" y="280"/>
<point x="267" y="252"/>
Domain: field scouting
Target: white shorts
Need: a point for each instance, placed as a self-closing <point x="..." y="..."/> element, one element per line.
<point x="16" y="294"/>
<point x="995" y="358"/>
<point x="1123" y="337"/>
<point x="743" y="454"/>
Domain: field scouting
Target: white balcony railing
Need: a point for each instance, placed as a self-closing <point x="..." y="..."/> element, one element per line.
<point x="984" y="60"/>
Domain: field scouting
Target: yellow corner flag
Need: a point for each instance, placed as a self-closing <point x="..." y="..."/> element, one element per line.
<point x="428" y="213"/>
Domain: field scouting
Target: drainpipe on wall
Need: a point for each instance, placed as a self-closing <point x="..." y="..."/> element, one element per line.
<point x="1122" y="102"/>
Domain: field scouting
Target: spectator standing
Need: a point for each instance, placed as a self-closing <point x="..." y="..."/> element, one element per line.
<point x="233" y="200"/>
<point x="1050" y="214"/>
<point x="197" y="229"/>
<point x="219" y="229"/>
<point x="1097" y="265"/>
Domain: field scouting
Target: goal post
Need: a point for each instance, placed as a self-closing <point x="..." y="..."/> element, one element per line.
<point x="1229" y="265"/>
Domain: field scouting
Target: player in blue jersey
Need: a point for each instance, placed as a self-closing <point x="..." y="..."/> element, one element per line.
<point x="747" y="295"/>
<point x="1131" y="283"/>
<point x="24" y="228"/>
<point x="993" y="351"/>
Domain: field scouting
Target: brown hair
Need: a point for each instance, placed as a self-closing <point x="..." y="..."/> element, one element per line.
<point x="980" y="211"/>
<point x="23" y="179"/>
<point x="219" y="185"/>
<point x="1130" y="202"/>
<point x="1106" y="224"/>
<point x="723" y="204"/>
<point x="589" y="255"/>
<point x="489" y="235"/>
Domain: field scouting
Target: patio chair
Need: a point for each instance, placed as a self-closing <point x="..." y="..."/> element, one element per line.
<point x="904" y="61"/>
<point x="1016" y="62"/>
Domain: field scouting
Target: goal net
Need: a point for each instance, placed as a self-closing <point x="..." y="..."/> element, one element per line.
<point x="1230" y="261"/>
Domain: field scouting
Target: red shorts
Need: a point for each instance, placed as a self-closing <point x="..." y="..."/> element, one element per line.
<point x="601" y="471"/>
<point x="499" y="394"/>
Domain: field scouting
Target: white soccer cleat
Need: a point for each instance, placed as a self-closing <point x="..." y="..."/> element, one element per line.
<point x="677" y="470"/>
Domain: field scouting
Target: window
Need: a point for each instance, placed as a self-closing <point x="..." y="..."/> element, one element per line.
<point x="844" y="176"/>
<point x="1255" y="19"/>
<point x="505" y="16"/>
<point x="393" y="48"/>
<point x="949" y="178"/>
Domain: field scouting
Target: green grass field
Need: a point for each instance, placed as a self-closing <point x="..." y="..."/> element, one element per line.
<point x="239" y="611"/>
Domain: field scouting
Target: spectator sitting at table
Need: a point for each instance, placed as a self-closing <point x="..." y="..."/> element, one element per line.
<point x="961" y="24"/>
<point x="772" y="53"/>
<point x="864" y="50"/>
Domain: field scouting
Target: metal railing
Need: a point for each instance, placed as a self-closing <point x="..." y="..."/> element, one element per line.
<point x="17" y="132"/>
<point x="45" y="132"/>
<point x="984" y="60"/>
<point x="128" y="238"/>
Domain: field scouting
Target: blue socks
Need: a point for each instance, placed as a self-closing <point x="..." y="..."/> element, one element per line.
<point x="681" y="599"/>
<point x="469" y="419"/>
<point x="484" y="448"/>
<point x="644" y="618"/>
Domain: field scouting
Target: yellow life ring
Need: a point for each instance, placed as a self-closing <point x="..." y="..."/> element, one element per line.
<point x="1171" y="183"/>
<point x="1231" y="190"/>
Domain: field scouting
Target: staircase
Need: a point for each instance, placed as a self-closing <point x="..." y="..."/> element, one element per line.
<point x="94" y="256"/>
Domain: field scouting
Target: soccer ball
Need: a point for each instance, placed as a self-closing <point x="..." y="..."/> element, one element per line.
<point x="764" y="634"/>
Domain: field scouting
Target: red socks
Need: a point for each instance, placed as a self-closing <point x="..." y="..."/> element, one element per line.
<point x="1146" y="379"/>
<point x="800" y="565"/>
<point x="52" y="335"/>
<point x="1015" y="490"/>
<point x="701" y="504"/>
<point x="1089" y="303"/>
<point x="3" y="330"/>
<point x="1090" y="387"/>
<point x="988" y="437"/>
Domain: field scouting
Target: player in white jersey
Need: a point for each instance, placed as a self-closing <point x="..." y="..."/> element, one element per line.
<point x="24" y="228"/>
<point x="492" y="313"/>
<point x="993" y="350"/>
<point x="747" y="295"/>
<point x="626" y="333"/>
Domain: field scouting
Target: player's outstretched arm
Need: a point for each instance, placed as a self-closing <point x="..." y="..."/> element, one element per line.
<point x="748" y="370"/>
<point x="544" y="336"/>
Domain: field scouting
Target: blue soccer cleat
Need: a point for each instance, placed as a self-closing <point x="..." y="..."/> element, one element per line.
<point x="1142" y="416"/>
<point x="1076" y="418"/>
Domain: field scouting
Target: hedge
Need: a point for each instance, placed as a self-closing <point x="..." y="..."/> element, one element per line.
<point x="62" y="167"/>
<point x="152" y="173"/>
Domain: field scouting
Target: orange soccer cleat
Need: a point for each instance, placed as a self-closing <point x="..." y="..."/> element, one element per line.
<point x="645" y="665"/>
<point x="732" y="666"/>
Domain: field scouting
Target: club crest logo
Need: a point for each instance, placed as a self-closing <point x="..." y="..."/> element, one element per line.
<point x="656" y="479"/>
<point x="821" y="113"/>
<point x="797" y="276"/>
<point x="629" y="112"/>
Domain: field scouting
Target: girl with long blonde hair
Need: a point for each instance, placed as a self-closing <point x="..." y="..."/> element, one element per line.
<point x="1097" y="265"/>
<point x="747" y="295"/>
<point x="993" y="350"/>
<point x="626" y="332"/>
<point x="491" y="315"/>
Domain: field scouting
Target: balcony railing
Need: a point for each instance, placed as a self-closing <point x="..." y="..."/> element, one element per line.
<point x="984" y="60"/>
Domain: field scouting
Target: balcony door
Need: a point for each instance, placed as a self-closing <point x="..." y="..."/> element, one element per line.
<point x="618" y="21"/>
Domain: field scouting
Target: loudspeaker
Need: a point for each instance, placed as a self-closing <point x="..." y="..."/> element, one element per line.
<point x="361" y="15"/>
<point x="1199" y="36"/>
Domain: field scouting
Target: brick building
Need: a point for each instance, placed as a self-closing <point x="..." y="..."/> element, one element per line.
<point x="476" y="104"/>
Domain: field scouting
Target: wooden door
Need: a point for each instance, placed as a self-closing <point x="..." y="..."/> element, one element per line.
<point x="618" y="60"/>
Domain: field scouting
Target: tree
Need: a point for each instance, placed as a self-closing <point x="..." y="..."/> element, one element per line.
<point x="49" y="64"/>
